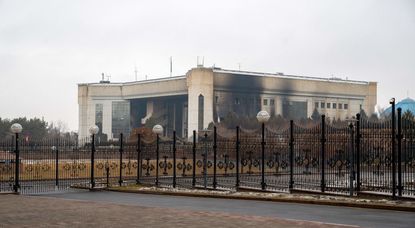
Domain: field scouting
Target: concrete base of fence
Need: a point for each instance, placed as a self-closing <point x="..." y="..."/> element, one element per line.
<point x="399" y="205"/>
<point x="8" y="193"/>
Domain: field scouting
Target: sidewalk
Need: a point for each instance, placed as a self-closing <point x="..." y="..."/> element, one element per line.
<point x="35" y="211"/>
<point x="373" y="203"/>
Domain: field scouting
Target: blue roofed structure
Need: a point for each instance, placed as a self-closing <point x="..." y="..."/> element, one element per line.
<point x="405" y="104"/>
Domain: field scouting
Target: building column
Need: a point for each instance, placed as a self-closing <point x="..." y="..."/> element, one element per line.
<point x="278" y="106"/>
<point x="310" y="107"/>
<point x="199" y="82"/>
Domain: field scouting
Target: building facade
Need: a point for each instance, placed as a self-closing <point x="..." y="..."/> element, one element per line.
<point x="205" y="95"/>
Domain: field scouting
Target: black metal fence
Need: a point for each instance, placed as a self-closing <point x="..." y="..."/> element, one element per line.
<point x="344" y="158"/>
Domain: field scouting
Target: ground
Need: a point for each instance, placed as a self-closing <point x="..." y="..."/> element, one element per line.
<point x="32" y="211"/>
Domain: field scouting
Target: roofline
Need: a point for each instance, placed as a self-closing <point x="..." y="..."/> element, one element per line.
<point x="226" y="71"/>
<point x="135" y="82"/>
<point x="281" y="75"/>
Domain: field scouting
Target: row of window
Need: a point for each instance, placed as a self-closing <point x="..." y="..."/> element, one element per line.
<point x="271" y="102"/>
<point x="237" y="101"/>
<point x="329" y="105"/>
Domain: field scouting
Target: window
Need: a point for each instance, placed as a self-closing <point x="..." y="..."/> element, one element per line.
<point x="328" y="105"/>
<point x="334" y="105"/>
<point x="120" y="118"/>
<point x="316" y="104"/>
<point x="340" y="106"/>
<point x="323" y="105"/>
<point x="272" y="102"/>
<point x="216" y="99"/>
<point x="98" y="115"/>
<point x="265" y="102"/>
<point x="200" y="112"/>
<point x="237" y="101"/>
<point x="346" y="106"/>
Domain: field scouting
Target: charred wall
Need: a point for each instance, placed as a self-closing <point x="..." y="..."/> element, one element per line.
<point x="138" y="111"/>
<point x="167" y="111"/>
<point x="246" y="95"/>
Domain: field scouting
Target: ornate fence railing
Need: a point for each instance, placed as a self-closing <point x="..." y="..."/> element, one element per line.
<point x="352" y="157"/>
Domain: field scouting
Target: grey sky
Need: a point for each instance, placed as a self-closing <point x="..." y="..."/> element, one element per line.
<point x="47" y="47"/>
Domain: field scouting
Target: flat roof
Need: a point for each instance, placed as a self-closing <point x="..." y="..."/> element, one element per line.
<point x="282" y="75"/>
<point x="136" y="82"/>
<point x="238" y="72"/>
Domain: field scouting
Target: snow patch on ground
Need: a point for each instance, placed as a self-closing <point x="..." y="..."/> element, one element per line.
<point x="268" y="195"/>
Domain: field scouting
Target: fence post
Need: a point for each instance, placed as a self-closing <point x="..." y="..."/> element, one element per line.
<point x="205" y="161"/>
<point x="121" y="151"/>
<point x="291" y="144"/>
<point x="358" y="136"/>
<point x="57" y="164"/>
<point x="392" y="102"/>
<point x="92" y="161"/>
<point x="263" y="184"/>
<point x="237" y="157"/>
<point x="107" y="174"/>
<point x="138" y="158"/>
<point x="157" y="159"/>
<point x="174" y="159"/>
<point x="194" y="160"/>
<point x="399" y="136"/>
<point x="214" y="156"/>
<point x="16" y="186"/>
<point x="323" y="152"/>
<point x="351" y="155"/>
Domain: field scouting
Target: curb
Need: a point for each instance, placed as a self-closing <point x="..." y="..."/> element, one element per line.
<point x="300" y="201"/>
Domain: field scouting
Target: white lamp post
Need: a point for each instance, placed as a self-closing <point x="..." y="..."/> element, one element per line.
<point x="158" y="130"/>
<point x="16" y="128"/>
<point x="93" y="130"/>
<point x="263" y="117"/>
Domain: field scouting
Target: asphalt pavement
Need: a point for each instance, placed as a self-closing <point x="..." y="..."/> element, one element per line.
<point x="306" y="212"/>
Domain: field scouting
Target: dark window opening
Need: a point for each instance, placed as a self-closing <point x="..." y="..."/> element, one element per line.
<point x="200" y="112"/>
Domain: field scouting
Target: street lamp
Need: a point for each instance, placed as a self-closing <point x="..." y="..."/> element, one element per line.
<point x="392" y="102"/>
<point x="93" y="130"/>
<point x="55" y="149"/>
<point x="157" y="129"/>
<point x="263" y="117"/>
<point x="352" y="176"/>
<point x="16" y="128"/>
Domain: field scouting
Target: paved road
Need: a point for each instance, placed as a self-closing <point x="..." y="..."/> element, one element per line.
<point x="31" y="211"/>
<point x="326" y="214"/>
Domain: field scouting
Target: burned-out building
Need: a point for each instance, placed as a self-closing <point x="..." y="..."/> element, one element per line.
<point x="205" y="95"/>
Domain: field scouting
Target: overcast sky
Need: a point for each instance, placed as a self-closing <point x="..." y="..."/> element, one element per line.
<point x="47" y="47"/>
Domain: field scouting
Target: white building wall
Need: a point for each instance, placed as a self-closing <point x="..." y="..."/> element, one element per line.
<point x="83" y="111"/>
<point x="199" y="81"/>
